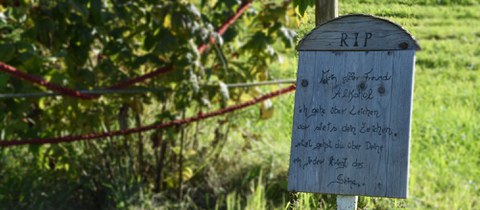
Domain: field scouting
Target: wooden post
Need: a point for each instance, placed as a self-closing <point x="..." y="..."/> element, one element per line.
<point x="347" y="202"/>
<point x="326" y="10"/>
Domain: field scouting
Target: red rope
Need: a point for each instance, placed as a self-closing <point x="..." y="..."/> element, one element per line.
<point x="201" y="49"/>
<point x="199" y="117"/>
<point x="40" y="81"/>
<point x="225" y="25"/>
<point x="73" y="93"/>
<point x="144" y="77"/>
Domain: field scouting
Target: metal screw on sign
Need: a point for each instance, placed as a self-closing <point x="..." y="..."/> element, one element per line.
<point x="304" y="83"/>
<point x="403" y="45"/>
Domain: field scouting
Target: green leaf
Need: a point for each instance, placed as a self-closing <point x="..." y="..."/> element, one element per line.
<point x="3" y="81"/>
<point x="7" y="51"/>
<point x="31" y="63"/>
<point x="302" y="5"/>
<point x="96" y="11"/>
<point x="86" y="75"/>
<point x="19" y="125"/>
<point x="257" y="43"/>
<point x="193" y="10"/>
<point x="231" y="3"/>
<point x="149" y="41"/>
<point x="15" y="35"/>
<point x="44" y="28"/>
<point x="288" y="36"/>
<point x="42" y="103"/>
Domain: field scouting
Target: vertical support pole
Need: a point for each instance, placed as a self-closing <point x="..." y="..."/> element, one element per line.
<point x="325" y="10"/>
<point x="347" y="202"/>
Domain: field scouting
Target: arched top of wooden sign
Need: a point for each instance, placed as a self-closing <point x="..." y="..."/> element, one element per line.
<point x="358" y="33"/>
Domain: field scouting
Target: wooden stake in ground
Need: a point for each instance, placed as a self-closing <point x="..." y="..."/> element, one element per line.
<point x="326" y="10"/>
<point x="347" y="202"/>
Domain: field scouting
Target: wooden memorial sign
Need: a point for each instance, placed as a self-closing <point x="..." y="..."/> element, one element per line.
<point x="353" y="103"/>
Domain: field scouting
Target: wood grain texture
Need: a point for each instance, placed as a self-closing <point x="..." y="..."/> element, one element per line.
<point x="325" y="10"/>
<point x="358" y="33"/>
<point x="351" y="126"/>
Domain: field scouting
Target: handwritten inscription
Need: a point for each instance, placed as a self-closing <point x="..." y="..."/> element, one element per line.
<point x="374" y="146"/>
<point x="370" y="77"/>
<point x="339" y="110"/>
<point x="364" y="111"/>
<point x="327" y="145"/>
<point x="352" y="76"/>
<point x="332" y="162"/>
<point x="337" y="145"/>
<point x="352" y="93"/>
<point x="328" y="77"/>
<point x="352" y="113"/>
<point x="323" y="145"/>
<point x="309" y="161"/>
<point x="363" y="128"/>
<point x="344" y="180"/>
<point x="326" y="127"/>
<point x="337" y="162"/>
<point x="311" y="112"/>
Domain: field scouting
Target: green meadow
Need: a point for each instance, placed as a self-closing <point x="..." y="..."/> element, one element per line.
<point x="445" y="148"/>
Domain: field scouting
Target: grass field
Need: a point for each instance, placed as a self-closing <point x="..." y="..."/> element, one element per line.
<point x="445" y="160"/>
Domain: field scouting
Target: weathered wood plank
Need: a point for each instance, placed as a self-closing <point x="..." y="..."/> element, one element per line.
<point x="352" y="123"/>
<point x="358" y="33"/>
<point x="325" y="10"/>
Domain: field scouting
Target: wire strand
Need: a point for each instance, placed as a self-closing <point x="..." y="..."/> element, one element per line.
<point x="198" y="117"/>
<point x="136" y="90"/>
<point x="42" y="82"/>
